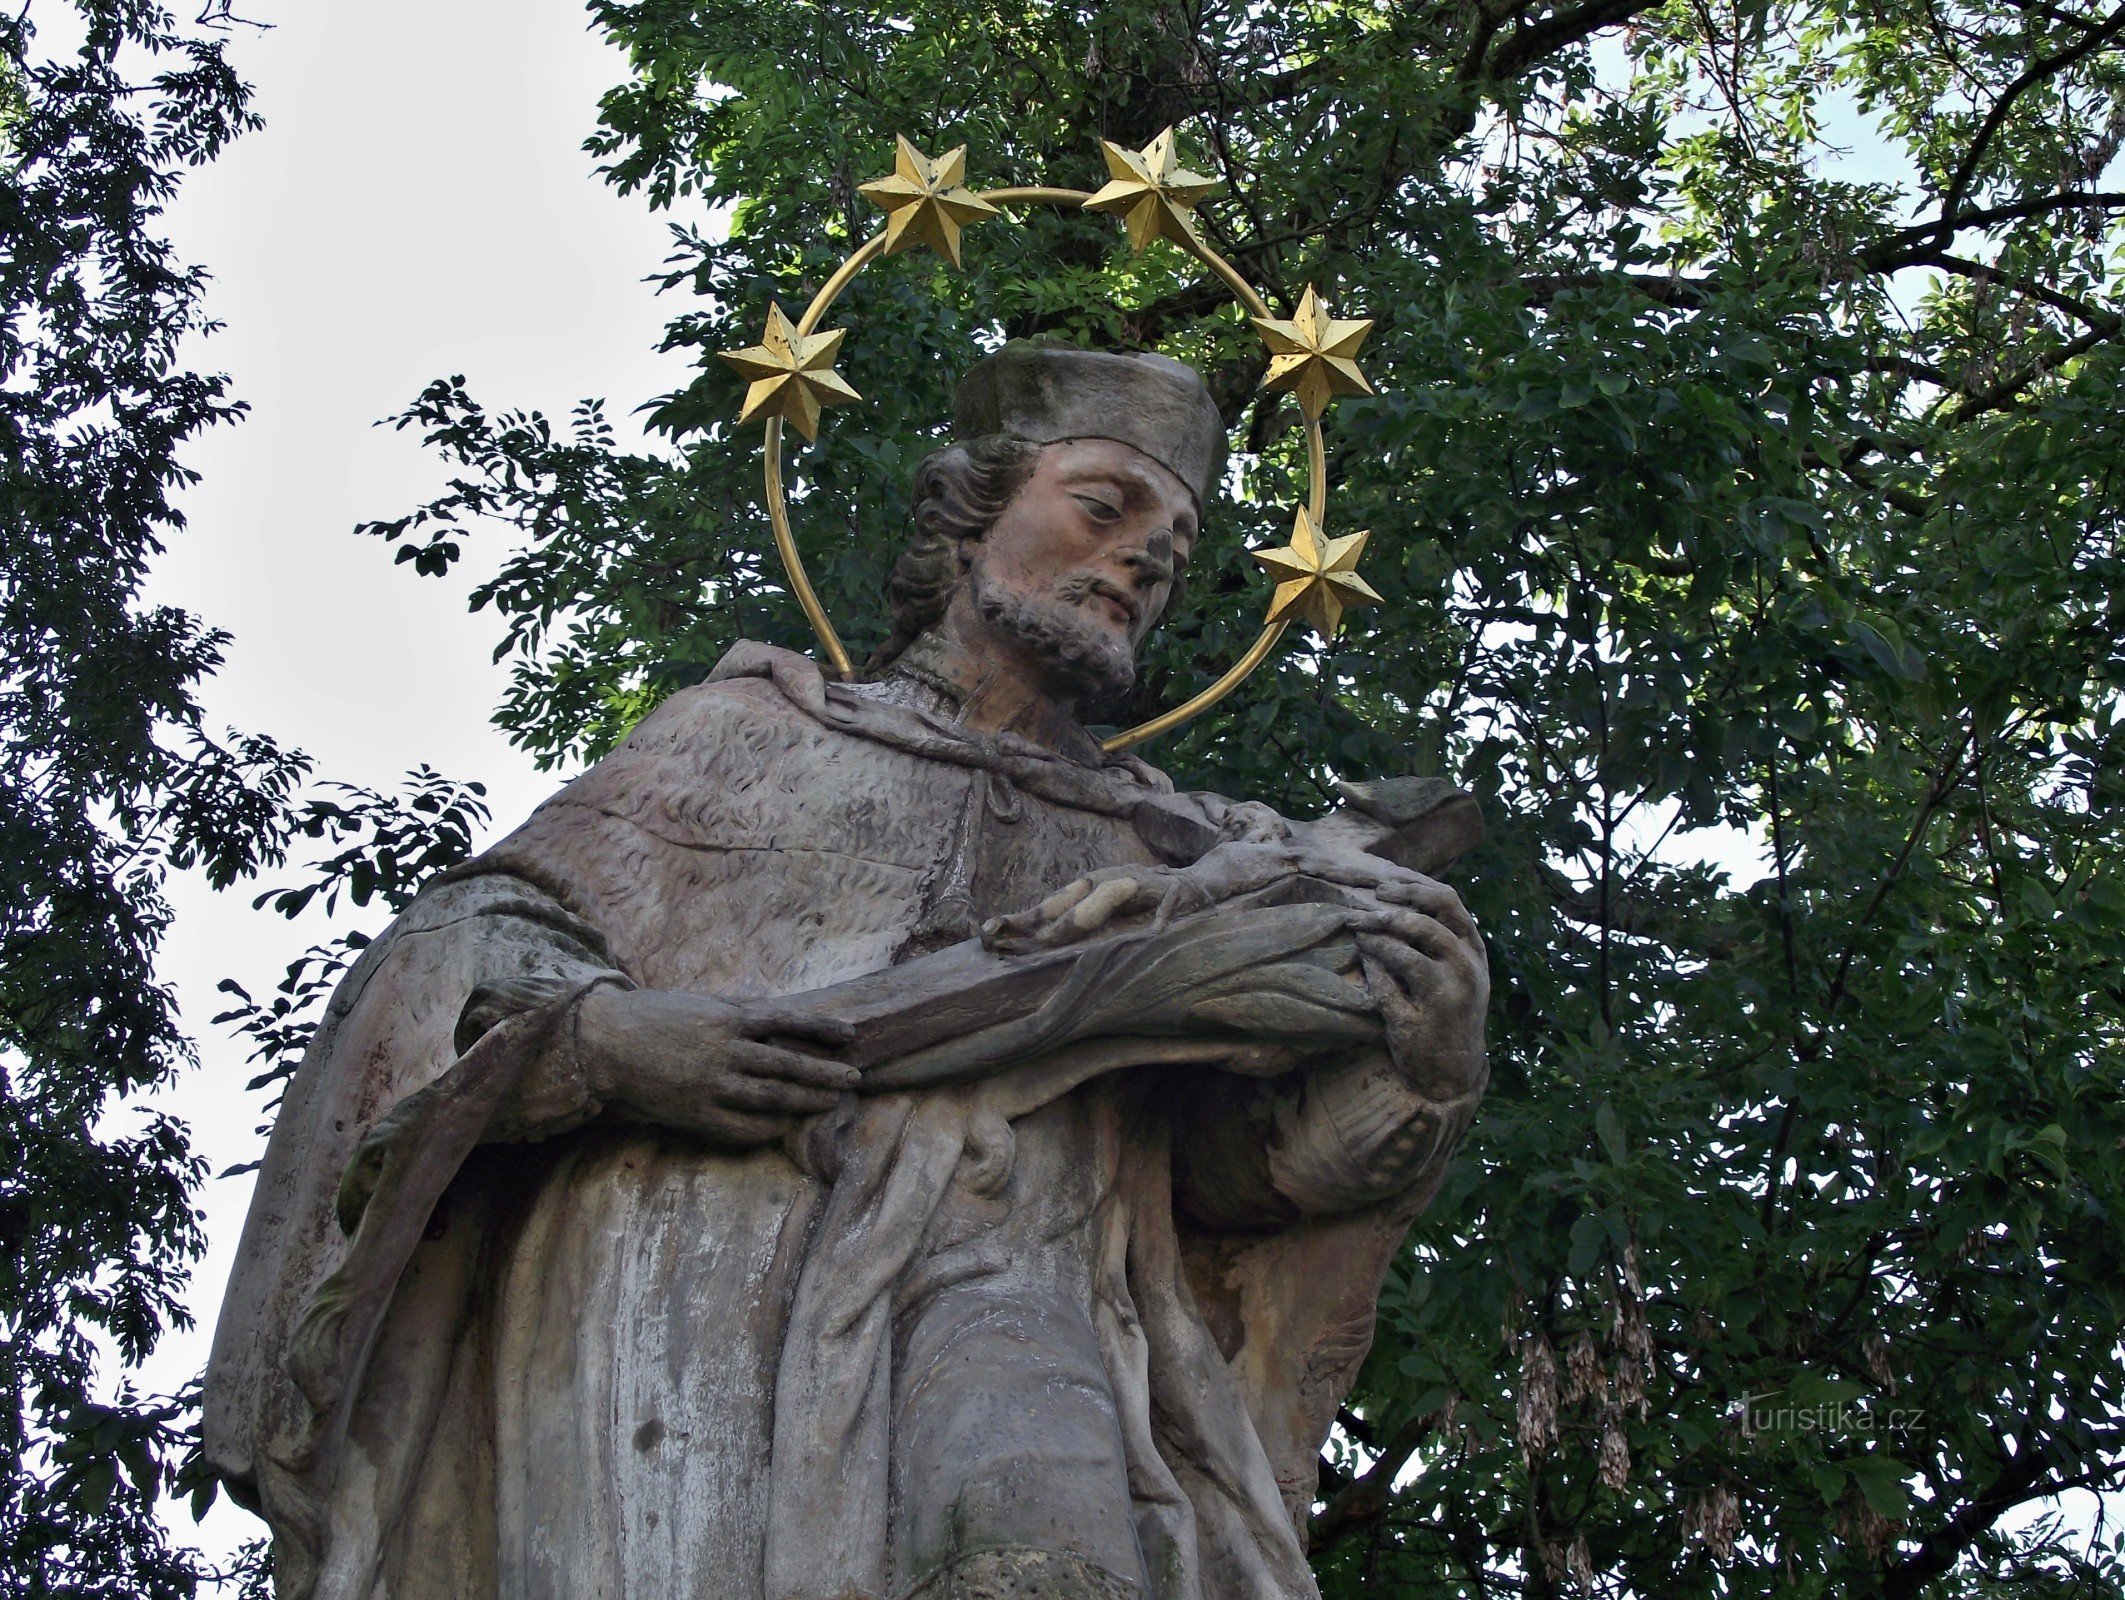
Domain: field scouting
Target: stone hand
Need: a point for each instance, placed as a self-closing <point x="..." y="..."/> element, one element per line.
<point x="1091" y="905"/>
<point x="1424" y="964"/>
<point x="739" y="1072"/>
<point x="1244" y="821"/>
<point x="1109" y="899"/>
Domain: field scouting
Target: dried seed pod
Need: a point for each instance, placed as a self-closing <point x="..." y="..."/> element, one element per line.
<point x="1628" y="1376"/>
<point x="1859" y="1523"/>
<point x="1583" y="1376"/>
<point x="1631" y="1280"/>
<point x="1874" y="1350"/>
<point x="1536" y="1420"/>
<point x="1615" y="1465"/>
<point x="1556" y="1563"/>
<point x="1716" y="1519"/>
<point x="1579" y="1561"/>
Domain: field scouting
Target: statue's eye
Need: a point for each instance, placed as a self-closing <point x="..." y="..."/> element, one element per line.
<point x="1099" y="510"/>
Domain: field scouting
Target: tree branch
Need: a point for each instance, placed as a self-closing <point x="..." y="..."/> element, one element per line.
<point x="2052" y="13"/>
<point x="1976" y="405"/>
<point x="2036" y="73"/>
<point x="1918" y="245"/>
<point x="1365" y="1501"/>
<point x="1947" y="774"/>
<point x="1637" y="919"/>
<point x="1357" y="1427"/>
<point x="1532" y="42"/>
<point x="1914" y="505"/>
<point x="1907" y="367"/>
<point x="1980" y="272"/>
<point x="1689" y="294"/>
<point x="1886" y="253"/>
<point x="1938" y="1551"/>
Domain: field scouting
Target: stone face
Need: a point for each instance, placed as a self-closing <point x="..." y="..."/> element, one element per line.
<point x="855" y="1141"/>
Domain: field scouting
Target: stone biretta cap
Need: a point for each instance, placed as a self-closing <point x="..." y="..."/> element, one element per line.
<point x="1047" y="393"/>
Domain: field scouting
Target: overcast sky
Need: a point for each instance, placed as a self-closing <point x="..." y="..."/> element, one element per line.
<point x="418" y="204"/>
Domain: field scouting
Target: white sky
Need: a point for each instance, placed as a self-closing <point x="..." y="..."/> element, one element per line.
<point x="418" y="204"/>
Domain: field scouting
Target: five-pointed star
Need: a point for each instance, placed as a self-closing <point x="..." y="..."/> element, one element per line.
<point x="792" y="375"/>
<point x="1151" y="192"/>
<point x="925" y="201"/>
<point x="1314" y="355"/>
<point x="1317" y="577"/>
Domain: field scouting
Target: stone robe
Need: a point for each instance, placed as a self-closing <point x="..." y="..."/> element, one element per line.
<point x="1071" y="1320"/>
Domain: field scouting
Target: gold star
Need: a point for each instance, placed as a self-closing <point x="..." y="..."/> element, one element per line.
<point x="1151" y="192"/>
<point x="792" y="375"/>
<point x="925" y="201"/>
<point x="1317" y="577"/>
<point x="1314" y="355"/>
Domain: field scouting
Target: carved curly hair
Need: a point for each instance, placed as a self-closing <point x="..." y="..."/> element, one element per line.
<point x="959" y="492"/>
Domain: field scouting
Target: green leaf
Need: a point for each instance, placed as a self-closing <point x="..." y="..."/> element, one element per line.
<point x="1882" y="1480"/>
<point x="1610" y="1132"/>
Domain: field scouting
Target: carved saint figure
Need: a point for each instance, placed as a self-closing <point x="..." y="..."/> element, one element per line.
<point x="859" y="1140"/>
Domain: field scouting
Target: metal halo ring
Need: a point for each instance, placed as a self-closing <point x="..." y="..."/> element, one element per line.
<point x="786" y="542"/>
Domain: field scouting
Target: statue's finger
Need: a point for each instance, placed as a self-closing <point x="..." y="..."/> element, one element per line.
<point x="1092" y="913"/>
<point x="1009" y="935"/>
<point x="1059" y="903"/>
<point x="1384" y="985"/>
<point x="1116" y="894"/>
<point x="1433" y="898"/>
<point x="1422" y="977"/>
<point x="1415" y="928"/>
<point x="750" y="1091"/>
<point x="739" y="1093"/>
<point x="1435" y="989"/>
<point x="808" y="1026"/>
<point x="796" y="1067"/>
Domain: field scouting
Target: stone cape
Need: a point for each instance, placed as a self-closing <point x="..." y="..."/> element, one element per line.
<point x="560" y="1356"/>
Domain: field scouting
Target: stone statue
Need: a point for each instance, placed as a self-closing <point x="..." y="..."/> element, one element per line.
<point x="859" y="1139"/>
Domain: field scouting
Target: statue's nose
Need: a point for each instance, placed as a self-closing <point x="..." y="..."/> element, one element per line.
<point x="1151" y="562"/>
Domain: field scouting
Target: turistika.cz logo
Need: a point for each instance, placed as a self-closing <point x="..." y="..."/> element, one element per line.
<point x="1769" y="1414"/>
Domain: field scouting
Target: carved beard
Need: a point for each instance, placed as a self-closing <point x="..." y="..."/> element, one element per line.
<point x="1081" y="653"/>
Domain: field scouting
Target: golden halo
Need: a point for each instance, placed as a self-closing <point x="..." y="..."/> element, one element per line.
<point x="791" y="374"/>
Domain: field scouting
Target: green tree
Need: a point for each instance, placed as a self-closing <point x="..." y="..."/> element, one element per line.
<point x="109" y="777"/>
<point x="1748" y="523"/>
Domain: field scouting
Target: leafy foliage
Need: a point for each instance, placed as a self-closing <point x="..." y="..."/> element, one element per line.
<point x="384" y="848"/>
<point x="111" y="778"/>
<point x="1748" y="519"/>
